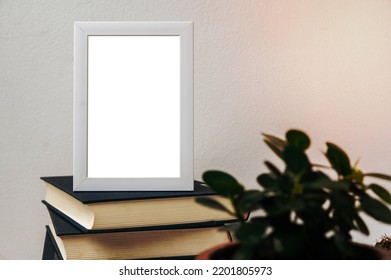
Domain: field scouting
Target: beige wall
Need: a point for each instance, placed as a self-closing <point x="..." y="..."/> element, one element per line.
<point x="322" y="66"/>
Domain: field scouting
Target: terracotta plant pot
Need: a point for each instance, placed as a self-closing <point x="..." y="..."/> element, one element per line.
<point x="219" y="252"/>
<point x="224" y="251"/>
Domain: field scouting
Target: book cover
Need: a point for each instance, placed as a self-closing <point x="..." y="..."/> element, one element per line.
<point x="65" y="241"/>
<point x="52" y="252"/>
<point x="64" y="225"/>
<point x="112" y="210"/>
<point x="65" y="183"/>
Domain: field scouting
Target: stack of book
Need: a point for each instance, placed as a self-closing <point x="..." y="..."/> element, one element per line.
<point x="130" y="225"/>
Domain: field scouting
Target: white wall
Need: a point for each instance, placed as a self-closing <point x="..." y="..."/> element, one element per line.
<point x="260" y="66"/>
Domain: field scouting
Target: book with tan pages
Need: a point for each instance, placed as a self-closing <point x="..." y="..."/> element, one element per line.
<point x="116" y="210"/>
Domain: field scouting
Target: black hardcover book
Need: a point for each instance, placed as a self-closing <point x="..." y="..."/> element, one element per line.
<point x="65" y="241"/>
<point x="52" y="252"/>
<point x="66" y="226"/>
<point x="50" y="249"/>
<point x="65" y="183"/>
<point x="121" y="210"/>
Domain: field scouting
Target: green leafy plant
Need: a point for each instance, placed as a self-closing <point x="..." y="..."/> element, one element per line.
<point x="308" y="211"/>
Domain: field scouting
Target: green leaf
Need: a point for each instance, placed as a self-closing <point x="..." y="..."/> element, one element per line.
<point x="289" y="244"/>
<point x="321" y="166"/>
<point x="317" y="180"/>
<point x="275" y="149"/>
<point x="360" y="224"/>
<point x="315" y="198"/>
<point x="258" y="219"/>
<point x="327" y="184"/>
<point x="273" y="169"/>
<point x="379" y="176"/>
<point x="343" y="244"/>
<point x="222" y="183"/>
<point x="267" y="181"/>
<point x="315" y="218"/>
<point x="296" y="160"/>
<point x="314" y="176"/>
<point x="298" y="139"/>
<point x="275" y="141"/>
<point x="244" y="253"/>
<point x="375" y="209"/>
<point x="275" y="206"/>
<point x="248" y="200"/>
<point x="276" y="144"/>
<point x="211" y="203"/>
<point x="344" y="210"/>
<point x="381" y="192"/>
<point x="343" y="200"/>
<point x="251" y="233"/>
<point x="338" y="159"/>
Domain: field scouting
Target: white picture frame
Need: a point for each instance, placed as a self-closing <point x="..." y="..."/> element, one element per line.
<point x="133" y="106"/>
